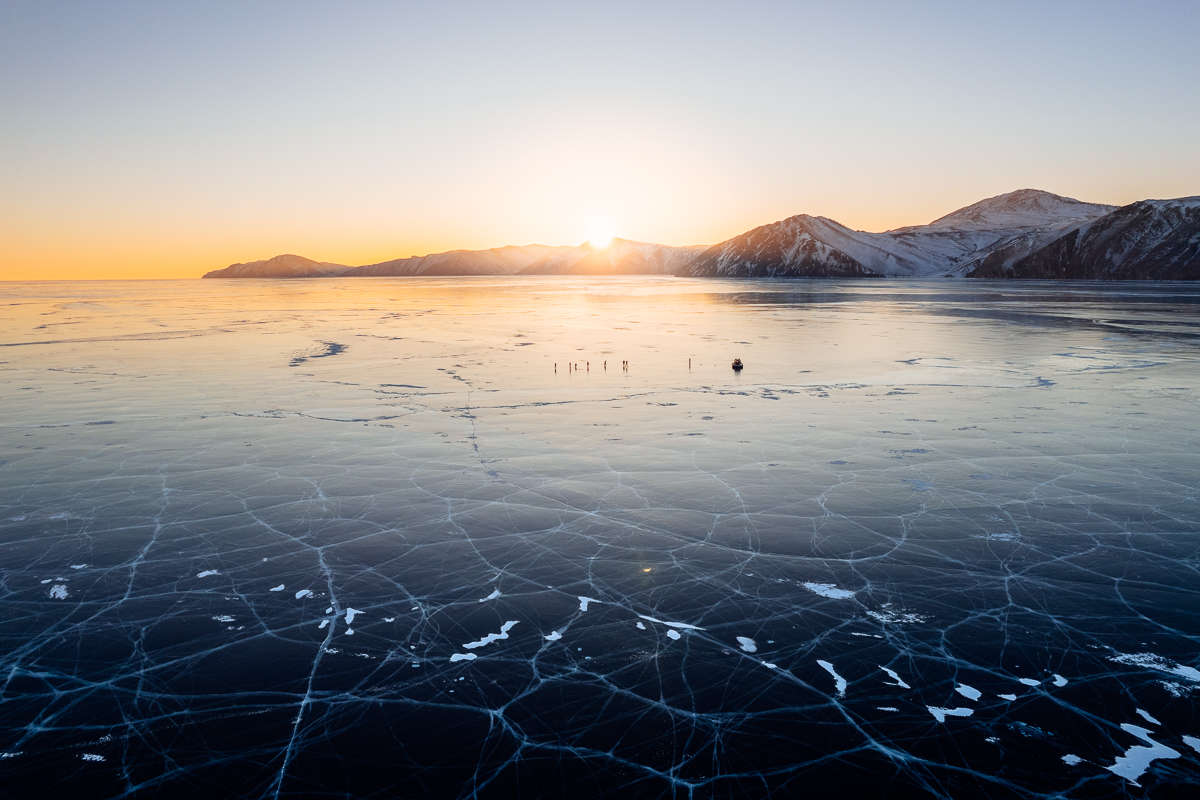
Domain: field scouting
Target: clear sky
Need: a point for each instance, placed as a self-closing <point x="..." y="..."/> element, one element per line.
<point x="165" y="139"/>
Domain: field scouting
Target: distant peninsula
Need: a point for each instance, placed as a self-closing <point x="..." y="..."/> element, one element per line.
<point x="1026" y="234"/>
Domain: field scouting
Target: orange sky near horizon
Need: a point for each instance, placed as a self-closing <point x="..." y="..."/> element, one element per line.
<point x="139" y="140"/>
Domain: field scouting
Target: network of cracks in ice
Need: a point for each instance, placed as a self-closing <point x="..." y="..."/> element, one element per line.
<point x="497" y="539"/>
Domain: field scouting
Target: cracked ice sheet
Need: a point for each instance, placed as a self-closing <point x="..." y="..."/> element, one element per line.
<point x="996" y="488"/>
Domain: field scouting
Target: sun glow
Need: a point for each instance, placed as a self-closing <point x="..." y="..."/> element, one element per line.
<point x="600" y="233"/>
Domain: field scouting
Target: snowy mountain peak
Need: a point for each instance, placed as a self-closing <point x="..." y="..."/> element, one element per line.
<point x="1024" y="208"/>
<point x="1178" y="202"/>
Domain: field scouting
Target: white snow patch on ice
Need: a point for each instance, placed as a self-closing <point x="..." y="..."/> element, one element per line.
<point x="58" y="592"/>
<point x="92" y="757"/>
<point x="1059" y="680"/>
<point x="206" y="573"/>
<point x="492" y="637"/>
<point x="748" y="644"/>
<point x="552" y="636"/>
<point x="491" y="596"/>
<point x="351" y="613"/>
<point x="305" y="593"/>
<point x="886" y="708"/>
<point x="969" y="692"/>
<point x="673" y="634"/>
<point x="463" y="657"/>
<point x="80" y="566"/>
<point x="278" y="588"/>
<point x="1137" y="759"/>
<point x="839" y="681"/>
<point x="583" y="602"/>
<point x="683" y="625"/>
<point x="1008" y="697"/>
<point x="223" y="618"/>
<point x="1030" y="682"/>
<point x="898" y="680"/>
<point x="1072" y="759"/>
<point x="389" y="619"/>
<point x="324" y="622"/>
<point x="940" y="714"/>
<point x="641" y="627"/>
<point x="1147" y="717"/>
<point x="1192" y="742"/>
<point x="828" y="590"/>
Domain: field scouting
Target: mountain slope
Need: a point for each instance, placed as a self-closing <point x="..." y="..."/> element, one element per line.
<point x="795" y="247"/>
<point x="1022" y="221"/>
<point x="620" y="257"/>
<point x="283" y="266"/>
<point x="497" y="261"/>
<point x="1146" y="240"/>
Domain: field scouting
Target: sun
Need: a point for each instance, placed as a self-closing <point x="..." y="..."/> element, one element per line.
<point x="600" y="233"/>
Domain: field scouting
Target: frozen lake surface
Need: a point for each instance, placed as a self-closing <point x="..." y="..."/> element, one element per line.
<point x="351" y="538"/>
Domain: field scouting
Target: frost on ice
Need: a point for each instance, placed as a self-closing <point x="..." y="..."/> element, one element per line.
<point x="888" y="615"/>
<point x="1157" y="662"/>
<point x="747" y="644"/>
<point x="828" y="590"/>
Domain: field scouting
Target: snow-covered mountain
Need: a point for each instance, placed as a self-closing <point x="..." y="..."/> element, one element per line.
<point x="1022" y="234"/>
<point x="284" y="266"/>
<point x="1022" y="221"/>
<point x="1147" y="240"/>
<point x="620" y="257"/>
<point x="497" y="261"/>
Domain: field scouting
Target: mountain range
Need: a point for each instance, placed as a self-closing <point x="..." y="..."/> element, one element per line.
<point x="1023" y="234"/>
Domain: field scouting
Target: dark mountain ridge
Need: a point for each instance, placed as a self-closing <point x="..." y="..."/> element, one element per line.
<point x="1146" y="240"/>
